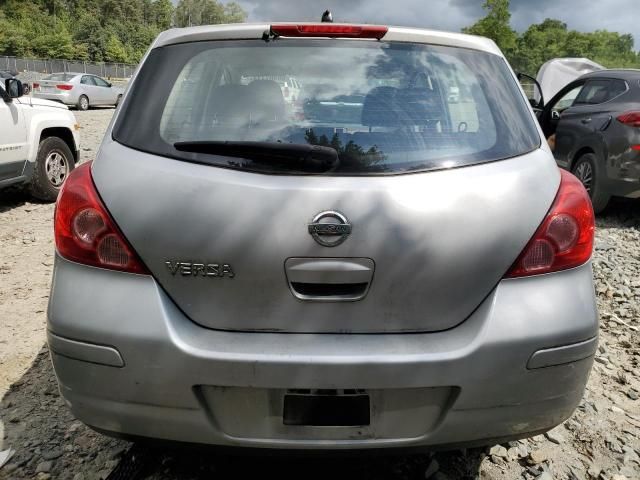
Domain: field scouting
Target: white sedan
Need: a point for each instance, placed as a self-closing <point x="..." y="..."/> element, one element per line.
<point x="80" y="90"/>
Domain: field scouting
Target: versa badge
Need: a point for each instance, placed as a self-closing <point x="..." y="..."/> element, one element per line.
<point x="187" y="269"/>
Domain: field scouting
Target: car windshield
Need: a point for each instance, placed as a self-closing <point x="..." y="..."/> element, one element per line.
<point x="383" y="107"/>
<point x="60" y="77"/>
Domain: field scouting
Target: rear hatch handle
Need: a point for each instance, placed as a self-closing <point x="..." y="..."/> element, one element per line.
<point x="329" y="279"/>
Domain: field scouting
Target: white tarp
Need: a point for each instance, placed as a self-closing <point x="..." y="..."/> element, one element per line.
<point x="554" y="75"/>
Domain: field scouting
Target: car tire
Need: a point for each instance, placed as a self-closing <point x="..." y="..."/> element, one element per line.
<point x="118" y="101"/>
<point x="53" y="165"/>
<point x="83" y="103"/>
<point x="588" y="171"/>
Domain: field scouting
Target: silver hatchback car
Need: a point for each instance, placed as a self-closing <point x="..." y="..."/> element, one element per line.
<point x="78" y="90"/>
<point x="373" y="265"/>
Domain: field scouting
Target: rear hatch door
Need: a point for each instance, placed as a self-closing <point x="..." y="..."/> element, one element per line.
<point x="438" y="243"/>
<point x="433" y="198"/>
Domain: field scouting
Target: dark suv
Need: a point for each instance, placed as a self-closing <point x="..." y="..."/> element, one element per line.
<point x="596" y="120"/>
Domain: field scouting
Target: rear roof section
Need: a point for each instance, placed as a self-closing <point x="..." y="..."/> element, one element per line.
<point x="625" y="74"/>
<point x="256" y="30"/>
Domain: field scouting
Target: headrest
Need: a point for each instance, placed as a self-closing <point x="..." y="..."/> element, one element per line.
<point x="417" y="106"/>
<point x="379" y="109"/>
<point x="600" y="96"/>
<point x="227" y="101"/>
<point x="266" y="100"/>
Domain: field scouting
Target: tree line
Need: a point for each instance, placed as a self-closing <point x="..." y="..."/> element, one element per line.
<point x="552" y="39"/>
<point x="100" y="30"/>
<point x="121" y="31"/>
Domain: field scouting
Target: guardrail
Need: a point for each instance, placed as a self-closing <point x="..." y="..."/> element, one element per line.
<point x="39" y="65"/>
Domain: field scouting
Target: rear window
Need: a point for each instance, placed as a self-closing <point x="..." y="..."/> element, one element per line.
<point x="60" y="77"/>
<point x="600" y="91"/>
<point x="383" y="107"/>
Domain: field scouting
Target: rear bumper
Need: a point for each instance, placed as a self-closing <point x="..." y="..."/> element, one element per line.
<point x="624" y="187"/>
<point x="129" y="362"/>
<point x="65" y="97"/>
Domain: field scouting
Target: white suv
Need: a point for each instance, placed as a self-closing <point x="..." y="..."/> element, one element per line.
<point x="39" y="142"/>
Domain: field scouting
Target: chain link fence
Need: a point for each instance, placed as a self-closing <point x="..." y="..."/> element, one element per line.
<point x="45" y="66"/>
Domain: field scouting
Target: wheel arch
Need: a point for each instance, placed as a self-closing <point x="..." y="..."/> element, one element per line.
<point x="63" y="134"/>
<point x="582" y="151"/>
<point x="599" y="193"/>
<point x="83" y="94"/>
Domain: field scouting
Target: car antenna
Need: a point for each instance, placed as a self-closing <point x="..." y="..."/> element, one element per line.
<point x="327" y="17"/>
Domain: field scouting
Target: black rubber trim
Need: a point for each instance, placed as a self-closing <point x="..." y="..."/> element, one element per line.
<point x="11" y="170"/>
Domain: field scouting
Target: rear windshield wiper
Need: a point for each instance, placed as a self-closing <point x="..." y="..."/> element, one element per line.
<point x="287" y="156"/>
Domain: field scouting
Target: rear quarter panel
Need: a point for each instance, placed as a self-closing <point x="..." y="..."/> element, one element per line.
<point x="622" y="163"/>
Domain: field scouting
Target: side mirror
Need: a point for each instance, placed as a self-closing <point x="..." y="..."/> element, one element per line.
<point x="109" y="84"/>
<point x="13" y="87"/>
<point x="533" y="90"/>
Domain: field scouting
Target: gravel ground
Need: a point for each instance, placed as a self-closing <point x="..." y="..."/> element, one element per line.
<point x="601" y="440"/>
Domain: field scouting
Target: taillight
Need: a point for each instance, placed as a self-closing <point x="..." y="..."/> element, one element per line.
<point x="64" y="86"/>
<point x="330" y="30"/>
<point x="631" y="119"/>
<point x="36" y="85"/>
<point x="84" y="230"/>
<point x="565" y="238"/>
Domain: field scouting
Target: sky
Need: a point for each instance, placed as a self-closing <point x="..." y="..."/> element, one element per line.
<point x="582" y="15"/>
